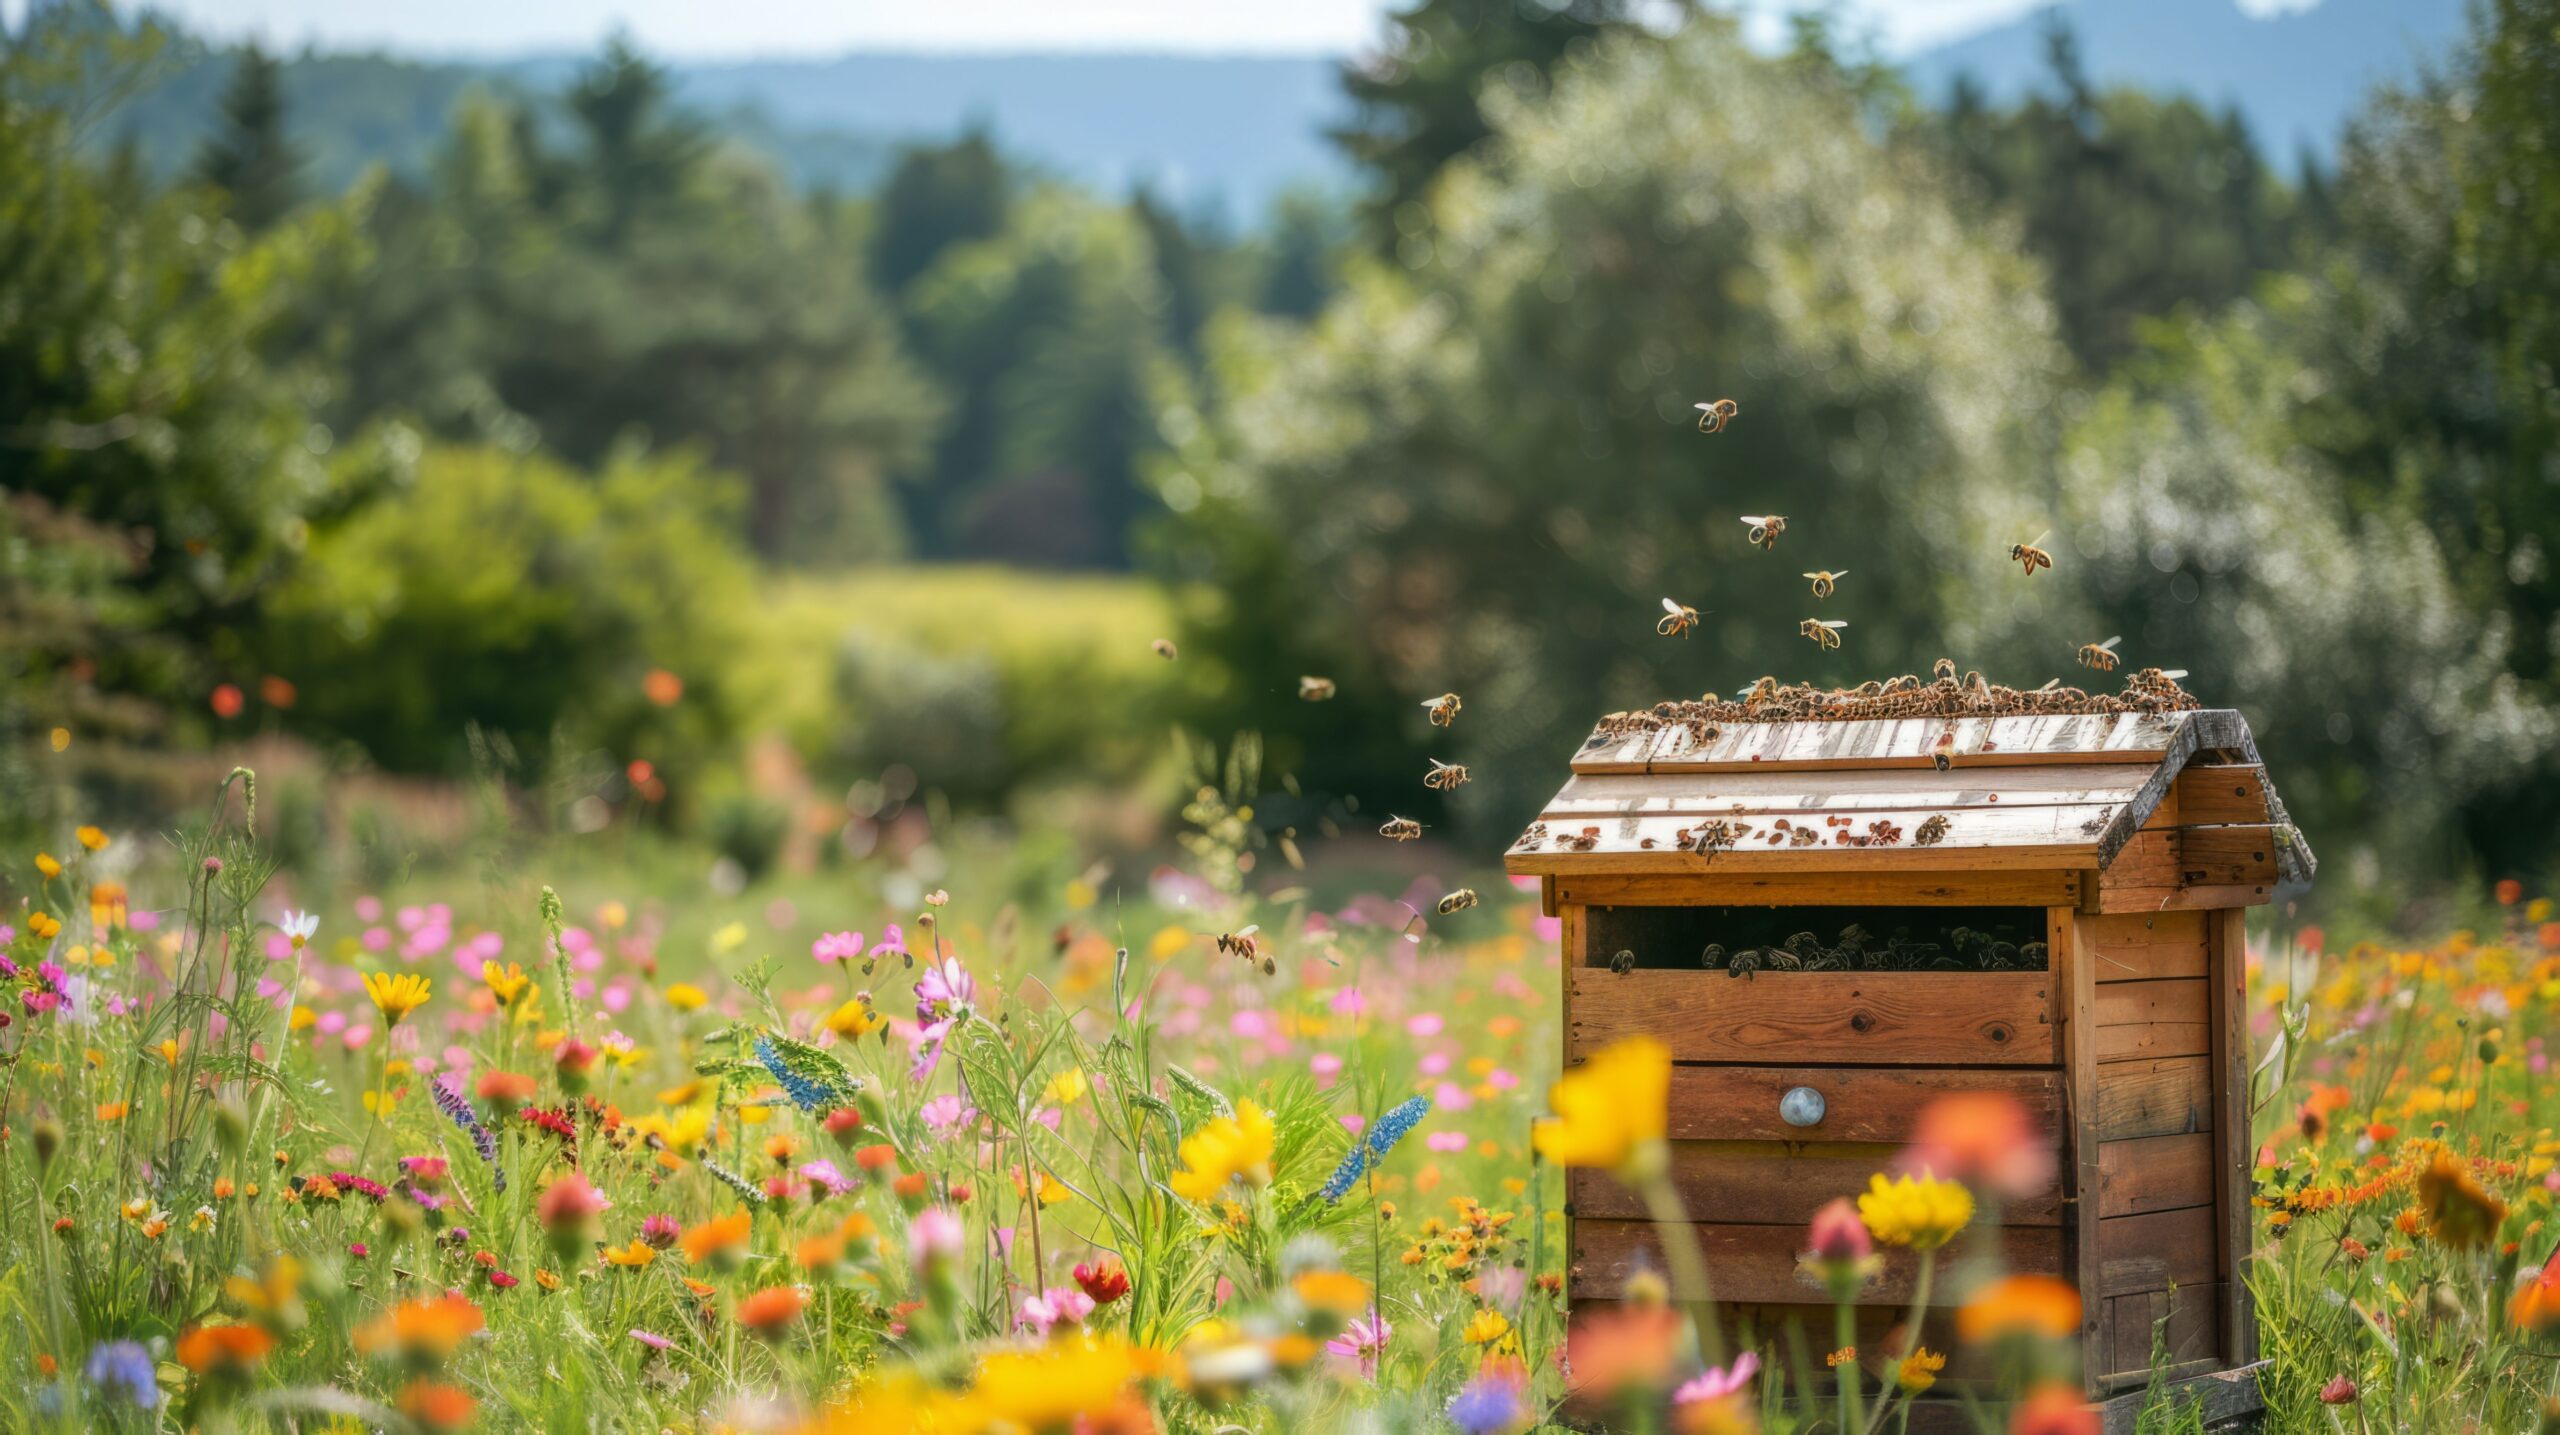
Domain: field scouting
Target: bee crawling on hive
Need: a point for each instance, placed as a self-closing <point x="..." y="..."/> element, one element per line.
<point x="1248" y="945"/>
<point x="1445" y="776"/>
<point x="2101" y="656"/>
<point x="1457" y="901"/>
<point x="1315" y="689"/>
<point x="1624" y="962"/>
<point x="1932" y="832"/>
<point x="1444" y="709"/>
<point x="1765" y="528"/>
<point x="1712" y="417"/>
<point x="1583" y="841"/>
<point x="1405" y="829"/>
<point x="1676" y="620"/>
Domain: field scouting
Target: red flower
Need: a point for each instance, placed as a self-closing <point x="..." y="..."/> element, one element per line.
<point x="842" y="1123"/>
<point x="873" y="1158"/>
<point x="501" y="1279"/>
<point x="2054" y="1409"/>
<point x="1105" y="1281"/>
<point x="227" y="701"/>
<point x="769" y="1310"/>
<point x="2339" y="1391"/>
<point x="2510" y="892"/>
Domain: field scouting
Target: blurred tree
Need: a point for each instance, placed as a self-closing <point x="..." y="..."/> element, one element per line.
<point x="1300" y="248"/>
<point x="2136" y="204"/>
<point x="1484" y="474"/>
<point x="937" y="196"/>
<point x="1188" y="268"/>
<point x="641" y="151"/>
<point x="1416" y="98"/>
<point x="248" y="157"/>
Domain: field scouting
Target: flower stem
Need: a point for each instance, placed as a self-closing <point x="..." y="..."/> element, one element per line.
<point x="1688" y="1263"/>
<point x="1852" y="1384"/>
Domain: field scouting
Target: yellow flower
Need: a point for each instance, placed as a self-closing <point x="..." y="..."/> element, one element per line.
<point x="396" y="995"/>
<point x="685" y="996"/>
<point x="505" y="983"/>
<point x="1337" y="1292"/>
<point x="1486" y="1327"/>
<point x="93" y="838"/>
<point x="729" y="938"/>
<point x="303" y="1018"/>
<point x="1921" y="1212"/>
<point x="1920" y="1369"/>
<point x="1066" y="1088"/>
<point x="636" y="1254"/>
<point x="1229" y="1147"/>
<point x="1049" y="1388"/>
<point x="854" y="1019"/>
<point x="43" y="925"/>
<point x="1610" y="1111"/>
<point x="46" y="865"/>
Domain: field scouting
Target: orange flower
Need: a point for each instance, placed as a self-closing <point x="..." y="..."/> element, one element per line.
<point x="2535" y="1309"/>
<point x="2020" y="1305"/>
<point x="224" y="1349"/>
<point x="1637" y="1346"/>
<point x="437" y="1407"/>
<point x="1986" y="1136"/>
<point x="819" y="1251"/>
<point x="2460" y="1211"/>
<point x="719" y="1236"/>
<point x="2054" y="1409"/>
<point x="421" y="1329"/>
<point x="769" y="1310"/>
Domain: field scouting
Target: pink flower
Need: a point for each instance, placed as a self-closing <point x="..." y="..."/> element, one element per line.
<point x="570" y="1203"/>
<point x="1361" y="1342"/>
<point x="1717" y="1384"/>
<point x="837" y="947"/>
<point x="1446" y="1141"/>
<point x="945" y="984"/>
<point x="654" y="1342"/>
<point x="1054" y="1307"/>
<point x="661" y="1230"/>
<point x="824" y="1173"/>
<point x="1840" y="1235"/>
<point x="934" y="1237"/>
<point x="891" y="940"/>
<point x="1426" y="1024"/>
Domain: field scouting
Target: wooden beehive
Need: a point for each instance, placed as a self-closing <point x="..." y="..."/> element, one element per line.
<point x="2128" y="844"/>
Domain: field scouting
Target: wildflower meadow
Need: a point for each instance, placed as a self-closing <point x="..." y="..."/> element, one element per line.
<point x="1049" y="1156"/>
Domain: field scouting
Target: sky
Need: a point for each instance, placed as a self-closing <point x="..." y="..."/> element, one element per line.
<point x="738" y="29"/>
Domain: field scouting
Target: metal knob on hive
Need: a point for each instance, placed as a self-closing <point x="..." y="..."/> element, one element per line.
<point x="1801" y="1106"/>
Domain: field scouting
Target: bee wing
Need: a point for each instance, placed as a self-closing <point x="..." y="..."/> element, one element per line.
<point x="2174" y="674"/>
<point x="1817" y="575"/>
<point x="1832" y="623"/>
<point x="2109" y="645"/>
<point x="1755" y="520"/>
<point x="1249" y="931"/>
<point x="2049" y="685"/>
<point x="1674" y="609"/>
<point x="1708" y="406"/>
<point x="2040" y="538"/>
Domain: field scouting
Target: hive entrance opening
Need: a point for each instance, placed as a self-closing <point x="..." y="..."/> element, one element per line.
<point x="1752" y="941"/>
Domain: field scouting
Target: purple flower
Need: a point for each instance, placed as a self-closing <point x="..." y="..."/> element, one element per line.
<point x="124" y="1364"/>
<point x="1489" y="1404"/>
<point x="945" y="984"/>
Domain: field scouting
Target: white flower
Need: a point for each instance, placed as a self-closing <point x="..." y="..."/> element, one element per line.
<point x="299" y="926"/>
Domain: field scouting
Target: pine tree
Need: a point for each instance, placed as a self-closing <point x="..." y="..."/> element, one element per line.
<point x="249" y="157"/>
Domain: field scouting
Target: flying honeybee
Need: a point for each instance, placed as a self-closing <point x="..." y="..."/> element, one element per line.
<point x="2031" y="556"/>
<point x="1457" y="901"/>
<point x="1399" y="829"/>
<point x="1713" y="417"/>
<point x="1445" y="776"/>
<point x="1825" y="581"/>
<point x="1248" y="945"/>
<point x="2101" y="656"/>
<point x="1825" y="632"/>
<point x="1676" y="619"/>
<point x="1444" y="709"/>
<point x="1314" y="689"/>
<point x="1765" y="528"/>
<point x="1164" y="648"/>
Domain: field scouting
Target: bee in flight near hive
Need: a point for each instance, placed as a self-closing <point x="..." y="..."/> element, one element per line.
<point x="1248" y="945"/>
<point x="1164" y="648"/>
<point x="1765" y="528"/>
<point x="1457" y="901"/>
<point x="1825" y="581"/>
<point x="1445" y="776"/>
<point x="2031" y="556"/>
<point x="1713" y="417"/>
<point x="1399" y="829"/>
<point x="1825" y="632"/>
<point x="2101" y="656"/>
<point x="1444" y="709"/>
<point x="1676" y="619"/>
<point x="1314" y="689"/>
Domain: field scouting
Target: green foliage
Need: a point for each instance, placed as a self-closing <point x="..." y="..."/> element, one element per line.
<point x="514" y="595"/>
<point x="248" y="158"/>
<point x="938" y="196"/>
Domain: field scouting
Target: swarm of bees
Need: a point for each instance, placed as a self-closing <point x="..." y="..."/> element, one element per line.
<point x="1825" y="632"/>
<point x="1457" y="901"/>
<point x="2031" y="556"/>
<point x="1765" y="528"/>
<point x="1248" y="945"/>
<point x="1676" y="619"/>
<point x="1445" y="776"/>
<point x="1399" y="829"/>
<point x="1444" y="709"/>
<point x="1315" y="689"/>
<point x="1826" y="580"/>
<point x="2101" y="656"/>
<point x="1713" y="417"/>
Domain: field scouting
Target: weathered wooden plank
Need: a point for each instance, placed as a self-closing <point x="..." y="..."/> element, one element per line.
<point x="2177" y="1000"/>
<point x="2215" y="1396"/>
<point x="1879" y="1104"/>
<point x="2155" y="1098"/>
<point x="2233" y="1060"/>
<point x="1950" y="1018"/>
<point x="2153" y="1039"/>
<point x="1727" y="887"/>
<point x="1600" y="796"/>
<point x="2148" y="859"/>
<point x="2175" y="899"/>
<point x="2074" y="968"/>
<point x="2156" y="1173"/>
<point x="2187" y="1321"/>
<point x="2226" y="856"/>
<point x="2148" y="946"/>
<point x="2222" y="792"/>
<point x="1754" y="1264"/>
<point x="2029" y="837"/>
<point x="2157" y="1249"/>
<point x="1908" y="742"/>
<point x="1773" y="1183"/>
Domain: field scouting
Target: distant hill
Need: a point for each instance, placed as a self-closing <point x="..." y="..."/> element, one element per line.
<point x="2296" y="77"/>
<point x="1230" y="133"/>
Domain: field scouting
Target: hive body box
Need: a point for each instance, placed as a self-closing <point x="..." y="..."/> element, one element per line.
<point x="2130" y="844"/>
